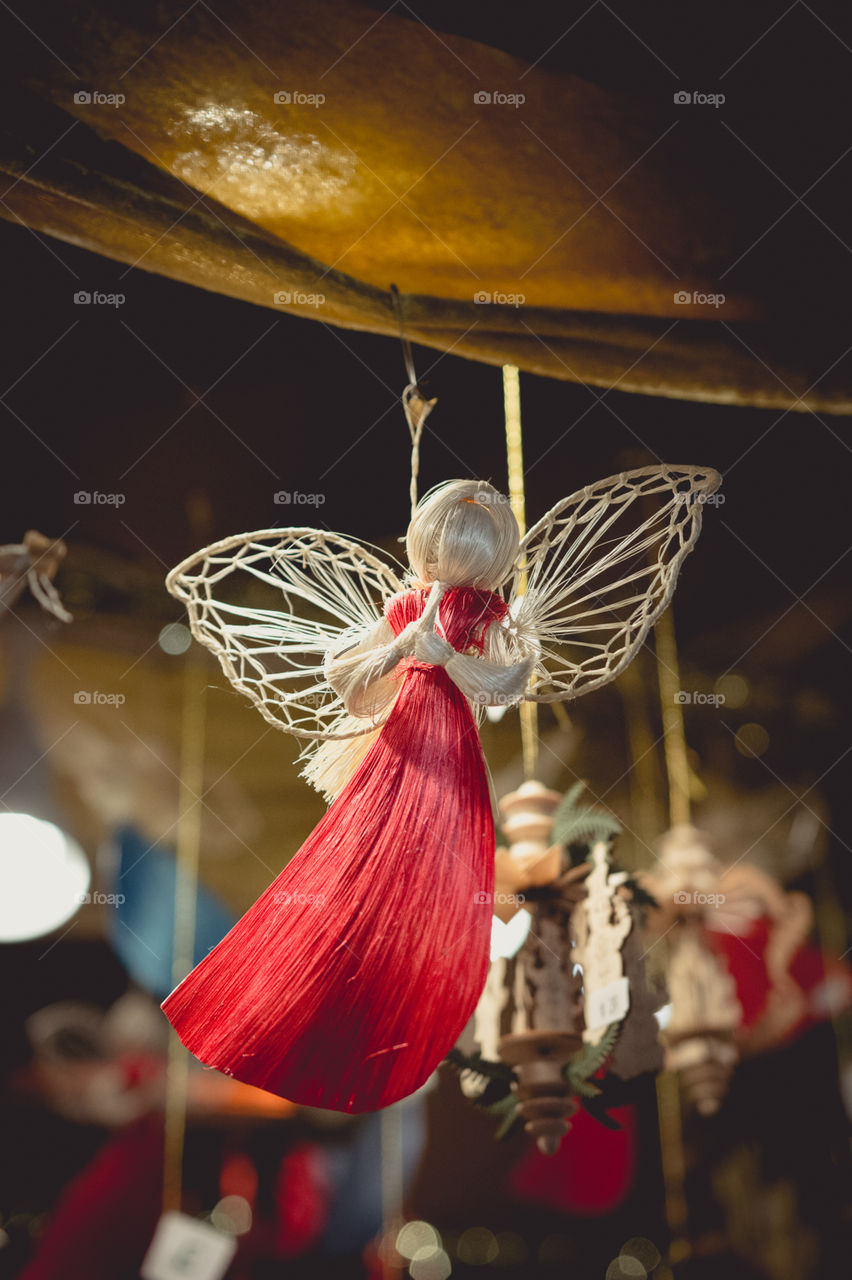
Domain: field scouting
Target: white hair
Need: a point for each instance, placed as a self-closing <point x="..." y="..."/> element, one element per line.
<point x="463" y="533"/>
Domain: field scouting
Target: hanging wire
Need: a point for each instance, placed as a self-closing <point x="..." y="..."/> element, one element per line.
<point x="188" y="848"/>
<point x="668" y="1089"/>
<point x="674" y="732"/>
<point x="416" y="406"/>
<point x="392" y="1166"/>
<point x="517" y="500"/>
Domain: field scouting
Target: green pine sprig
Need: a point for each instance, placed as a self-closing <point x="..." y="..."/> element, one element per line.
<point x="575" y="823"/>
<point x="579" y="1071"/>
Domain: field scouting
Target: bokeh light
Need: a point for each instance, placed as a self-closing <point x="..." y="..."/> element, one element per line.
<point x="733" y="688"/>
<point x="45" y="877"/>
<point x="644" y="1250"/>
<point x="626" y="1267"/>
<point x="232" y="1214"/>
<point x="512" y="1250"/>
<point x="175" y="638"/>
<point x="752" y="740"/>
<point x="436" y="1266"/>
<point x="555" y="1250"/>
<point x="477" y="1246"/>
<point x="418" y="1240"/>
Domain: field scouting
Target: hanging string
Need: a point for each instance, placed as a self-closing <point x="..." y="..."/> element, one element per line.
<point x="674" y="733"/>
<point x="415" y="405"/>
<point x="668" y="1089"/>
<point x="517" y="499"/>
<point x="391" y="1166"/>
<point x="188" y="848"/>
<point x="645" y="780"/>
<point x="186" y="887"/>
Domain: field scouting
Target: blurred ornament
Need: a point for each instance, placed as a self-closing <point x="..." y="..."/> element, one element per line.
<point x="530" y="857"/>
<point x="737" y="951"/>
<point x="705" y="1014"/>
<point x="108" y="1067"/>
<point x="700" y="1034"/>
<point x="601" y="922"/>
<point x="33" y="563"/>
<point x="530" y="1058"/>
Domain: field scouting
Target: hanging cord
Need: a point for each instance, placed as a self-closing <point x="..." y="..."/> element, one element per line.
<point x="415" y="405"/>
<point x="668" y="1089"/>
<point x="674" y="733"/>
<point x="391" y="1172"/>
<point x="517" y="500"/>
<point x="186" y="890"/>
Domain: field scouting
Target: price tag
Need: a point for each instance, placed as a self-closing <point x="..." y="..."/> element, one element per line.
<point x="607" y="1004"/>
<point x="185" y="1248"/>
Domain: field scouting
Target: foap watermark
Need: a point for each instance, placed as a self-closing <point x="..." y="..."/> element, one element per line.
<point x="683" y="898"/>
<point x="496" y="98"/>
<point x="83" y="298"/>
<point x="92" y="698"/>
<point x="284" y="498"/>
<point x="700" y="499"/>
<point x="688" y="98"/>
<point x="485" y="299"/>
<point x="320" y="699"/>
<point x="490" y="498"/>
<point x="298" y="299"/>
<point x="695" y="298"/>
<point x="296" y="98"/>
<point x="94" y="498"/>
<point x="692" y="698"/>
<point x="494" y="699"/>
<point x="102" y="899"/>
<point x="482" y="898"/>
<point x="96" y="98"/>
<point x="294" y="899"/>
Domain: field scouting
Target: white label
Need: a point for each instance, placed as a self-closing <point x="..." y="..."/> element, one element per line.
<point x="185" y="1248"/>
<point x="607" y="1004"/>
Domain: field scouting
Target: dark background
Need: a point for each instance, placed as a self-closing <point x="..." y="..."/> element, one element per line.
<point x="178" y="393"/>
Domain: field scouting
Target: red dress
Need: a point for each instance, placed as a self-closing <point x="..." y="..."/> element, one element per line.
<point x="354" y="973"/>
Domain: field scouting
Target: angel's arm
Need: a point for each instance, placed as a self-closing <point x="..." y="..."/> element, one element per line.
<point x="491" y="681"/>
<point x="361" y="671"/>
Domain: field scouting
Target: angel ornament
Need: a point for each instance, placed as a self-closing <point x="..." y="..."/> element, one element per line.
<point x="354" y="973"/>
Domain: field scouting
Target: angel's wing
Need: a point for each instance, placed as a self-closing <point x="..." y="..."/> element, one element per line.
<point x="600" y="568"/>
<point x="271" y="604"/>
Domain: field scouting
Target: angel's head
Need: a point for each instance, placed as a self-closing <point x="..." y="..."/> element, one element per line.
<point x="463" y="533"/>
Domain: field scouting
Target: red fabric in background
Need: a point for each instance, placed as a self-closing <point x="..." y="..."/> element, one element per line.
<point x="302" y="1196"/>
<point x="592" y="1171"/>
<point x="105" y="1219"/>
<point x="744" y="957"/>
<point x="825" y="982"/>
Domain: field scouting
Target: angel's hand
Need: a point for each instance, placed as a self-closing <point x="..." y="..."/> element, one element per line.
<point x="430" y="647"/>
<point x="424" y="626"/>
<point x="404" y="643"/>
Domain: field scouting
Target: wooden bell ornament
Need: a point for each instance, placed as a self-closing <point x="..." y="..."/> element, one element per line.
<point x="547" y="1022"/>
<point x="700" y="1038"/>
<point x="530" y="859"/>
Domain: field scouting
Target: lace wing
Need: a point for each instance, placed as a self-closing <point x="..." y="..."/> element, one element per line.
<point x="600" y="568"/>
<point x="271" y="604"/>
